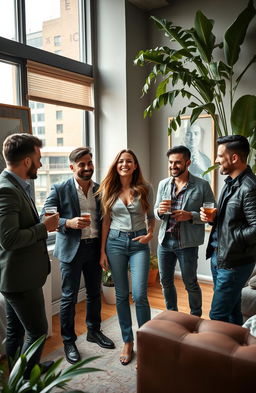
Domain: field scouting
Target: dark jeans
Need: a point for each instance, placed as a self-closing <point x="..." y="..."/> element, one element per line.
<point x="86" y="261"/>
<point x="25" y="314"/>
<point x="228" y="284"/>
<point x="168" y="254"/>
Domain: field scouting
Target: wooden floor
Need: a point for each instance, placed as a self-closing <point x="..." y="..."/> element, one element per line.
<point x="155" y="299"/>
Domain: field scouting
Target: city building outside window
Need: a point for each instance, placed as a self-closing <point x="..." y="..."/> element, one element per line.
<point x="60" y="141"/>
<point x="40" y="117"/>
<point x="57" y="40"/>
<point x="41" y="130"/>
<point x="59" y="128"/>
<point x="59" y="115"/>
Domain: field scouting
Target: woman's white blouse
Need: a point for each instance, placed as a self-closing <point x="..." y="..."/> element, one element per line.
<point x="131" y="217"/>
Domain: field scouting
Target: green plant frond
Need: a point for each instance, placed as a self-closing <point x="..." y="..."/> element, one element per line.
<point x="52" y="370"/>
<point x="220" y="70"/>
<point x="204" y="51"/>
<point x="35" y="375"/>
<point x="253" y="60"/>
<point x="203" y="28"/>
<point x="243" y="116"/>
<point x="222" y="86"/>
<point x="174" y="32"/>
<point x="252" y="141"/>
<point x="17" y="371"/>
<point x="236" y="33"/>
<point x="211" y="168"/>
<point x="208" y="108"/>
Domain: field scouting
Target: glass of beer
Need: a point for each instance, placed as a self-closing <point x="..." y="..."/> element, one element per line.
<point x="49" y="211"/>
<point x="208" y="208"/>
<point x="169" y="202"/>
<point x="87" y="216"/>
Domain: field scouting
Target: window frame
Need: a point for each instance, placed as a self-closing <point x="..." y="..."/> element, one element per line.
<point x="18" y="53"/>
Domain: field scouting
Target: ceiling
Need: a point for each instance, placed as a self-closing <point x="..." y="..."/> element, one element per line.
<point x="150" y="4"/>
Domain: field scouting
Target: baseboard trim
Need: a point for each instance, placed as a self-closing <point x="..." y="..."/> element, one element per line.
<point x="56" y="304"/>
<point x="201" y="277"/>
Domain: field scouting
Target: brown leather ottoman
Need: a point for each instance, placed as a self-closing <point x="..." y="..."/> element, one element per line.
<point x="181" y="353"/>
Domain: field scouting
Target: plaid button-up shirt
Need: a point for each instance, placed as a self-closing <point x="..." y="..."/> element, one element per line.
<point x="177" y="199"/>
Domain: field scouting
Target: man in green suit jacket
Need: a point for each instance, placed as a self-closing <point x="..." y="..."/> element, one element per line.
<point x="24" y="261"/>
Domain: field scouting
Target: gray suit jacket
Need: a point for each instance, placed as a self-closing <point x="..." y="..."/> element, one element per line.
<point x="24" y="261"/>
<point x="197" y="192"/>
<point x="64" y="196"/>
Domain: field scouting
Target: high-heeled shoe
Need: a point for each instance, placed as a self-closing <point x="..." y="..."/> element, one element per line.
<point x="126" y="359"/>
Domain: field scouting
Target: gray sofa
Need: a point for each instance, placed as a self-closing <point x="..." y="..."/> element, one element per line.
<point x="249" y="297"/>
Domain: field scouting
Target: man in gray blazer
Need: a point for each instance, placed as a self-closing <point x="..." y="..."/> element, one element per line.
<point x="181" y="231"/>
<point x="78" y="249"/>
<point x="24" y="261"/>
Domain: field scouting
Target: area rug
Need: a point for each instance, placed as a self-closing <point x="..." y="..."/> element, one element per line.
<point x="115" y="378"/>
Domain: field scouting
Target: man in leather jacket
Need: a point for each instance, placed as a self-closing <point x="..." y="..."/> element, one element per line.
<point x="232" y="243"/>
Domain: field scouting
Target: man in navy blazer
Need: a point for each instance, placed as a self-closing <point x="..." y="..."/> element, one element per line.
<point x="78" y="249"/>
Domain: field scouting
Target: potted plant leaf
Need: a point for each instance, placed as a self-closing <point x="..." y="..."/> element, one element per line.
<point x="204" y="77"/>
<point x="108" y="287"/>
<point x="37" y="381"/>
<point x="153" y="270"/>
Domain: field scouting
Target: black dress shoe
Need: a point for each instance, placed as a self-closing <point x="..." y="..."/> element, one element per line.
<point x="71" y="352"/>
<point x="45" y="366"/>
<point x="96" y="336"/>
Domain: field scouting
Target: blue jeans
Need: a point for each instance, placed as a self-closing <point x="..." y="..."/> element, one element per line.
<point x="121" y="252"/>
<point x="168" y="254"/>
<point x="86" y="262"/>
<point x="228" y="284"/>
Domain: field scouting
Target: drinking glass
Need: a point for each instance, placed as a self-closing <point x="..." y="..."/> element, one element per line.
<point x="87" y="215"/>
<point x="169" y="201"/>
<point x="50" y="210"/>
<point x="208" y="207"/>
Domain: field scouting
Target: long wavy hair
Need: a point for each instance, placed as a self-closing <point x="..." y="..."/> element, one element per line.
<point x="111" y="186"/>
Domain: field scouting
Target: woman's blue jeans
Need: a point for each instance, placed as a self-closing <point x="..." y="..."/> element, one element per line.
<point x="122" y="252"/>
<point x="228" y="284"/>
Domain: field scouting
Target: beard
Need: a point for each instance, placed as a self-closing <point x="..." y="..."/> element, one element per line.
<point x="178" y="172"/>
<point x="85" y="175"/>
<point x="32" y="172"/>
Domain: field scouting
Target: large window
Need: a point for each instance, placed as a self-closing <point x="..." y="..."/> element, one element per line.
<point x="58" y="90"/>
<point x="55" y="152"/>
<point x="7" y="20"/>
<point x="9" y="83"/>
<point x="53" y="25"/>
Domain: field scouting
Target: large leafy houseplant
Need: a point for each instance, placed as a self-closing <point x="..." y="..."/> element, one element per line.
<point x="192" y="70"/>
<point x="38" y="382"/>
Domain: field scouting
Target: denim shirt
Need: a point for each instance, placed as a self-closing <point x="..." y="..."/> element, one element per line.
<point x="131" y="217"/>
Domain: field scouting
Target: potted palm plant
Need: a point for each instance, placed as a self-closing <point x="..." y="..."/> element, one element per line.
<point x="108" y="287"/>
<point x="193" y="69"/>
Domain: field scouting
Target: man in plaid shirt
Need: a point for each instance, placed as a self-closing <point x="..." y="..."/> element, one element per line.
<point x="181" y="231"/>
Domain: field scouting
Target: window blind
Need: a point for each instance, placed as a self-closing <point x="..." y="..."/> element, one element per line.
<point x="60" y="87"/>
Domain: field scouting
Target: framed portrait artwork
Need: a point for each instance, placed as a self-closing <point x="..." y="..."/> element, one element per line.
<point x="200" y="138"/>
<point x="13" y="119"/>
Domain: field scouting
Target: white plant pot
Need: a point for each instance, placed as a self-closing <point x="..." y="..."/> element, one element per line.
<point x="109" y="294"/>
